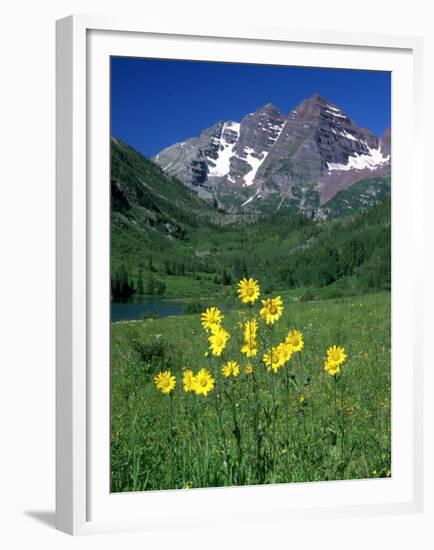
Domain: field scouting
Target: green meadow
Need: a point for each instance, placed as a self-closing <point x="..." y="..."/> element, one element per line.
<point x="298" y="425"/>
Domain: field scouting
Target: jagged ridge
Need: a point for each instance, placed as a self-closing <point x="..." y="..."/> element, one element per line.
<point x="269" y="160"/>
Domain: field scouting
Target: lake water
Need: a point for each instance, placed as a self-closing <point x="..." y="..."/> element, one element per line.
<point x="151" y="306"/>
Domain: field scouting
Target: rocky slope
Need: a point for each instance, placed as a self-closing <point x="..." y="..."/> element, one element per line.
<point x="270" y="161"/>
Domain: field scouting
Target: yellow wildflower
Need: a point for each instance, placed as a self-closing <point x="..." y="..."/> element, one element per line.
<point x="188" y="380"/>
<point x="165" y="382"/>
<point x="231" y="368"/>
<point x="273" y="360"/>
<point x="272" y="309"/>
<point x="248" y="369"/>
<point x="336" y="355"/>
<point x="218" y="340"/>
<point x="250" y="349"/>
<point x="332" y="368"/>
<point x="285" y="352"/>
<point x="250" y="330"/>
<point x="211" y="317"/>
<point x="295" y="340"/>
<point x="203" y="382"/>
<point x="248" y="290"/>
<point x="215" y="328"/>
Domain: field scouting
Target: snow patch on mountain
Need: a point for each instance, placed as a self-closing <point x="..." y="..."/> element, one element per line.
<point x="251" y="198"/>
<point x="334" y="113"/>
<point x="369" y="161"/>
<point x="279" y="128"/>
<point x="255" y="162"/>
<point x="345" y="134"/>
<point x="222" y="163"/>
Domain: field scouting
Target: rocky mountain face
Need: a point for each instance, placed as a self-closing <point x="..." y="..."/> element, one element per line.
<point x="269" y="161"/>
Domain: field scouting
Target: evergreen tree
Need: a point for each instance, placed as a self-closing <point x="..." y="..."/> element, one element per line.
<point x="121" y="287"/>
<point x="160" y="288"/>
<point x="150" y="284"/>
<point x="139" y="283"/>
<point x="226" y="278"/>
<point x="151" y="263"/>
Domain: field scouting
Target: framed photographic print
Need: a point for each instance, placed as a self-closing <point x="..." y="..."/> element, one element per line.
<point x="237" y="275"/>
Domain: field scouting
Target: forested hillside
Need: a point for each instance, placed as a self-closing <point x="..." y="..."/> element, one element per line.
<point x="167" y="241"/>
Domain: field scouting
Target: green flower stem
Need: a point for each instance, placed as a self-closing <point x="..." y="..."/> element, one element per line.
<point x="303" y="417"/>
<point x="265" y="340"/>
<point x="287" y="421"/>
<point x="237" y="432"/>
<point x="339" y="416"/>
<point x="273" y="395"/>
<point x="342" y="425"/>
<point x="256" y="427"/>
<point x="171" y="440"/>
<point x="256" y="405"/>
<point x="301" y="371"/>
<point x="197" y="431"/>
<point x="335" y="395"/>
<point x="273" y="376"/>
<point x="222" y="431"/>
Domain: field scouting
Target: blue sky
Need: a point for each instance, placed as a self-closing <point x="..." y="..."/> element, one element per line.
<point x="155" y="103"/>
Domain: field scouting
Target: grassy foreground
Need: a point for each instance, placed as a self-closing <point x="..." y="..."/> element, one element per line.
<point x="300" y="424"/>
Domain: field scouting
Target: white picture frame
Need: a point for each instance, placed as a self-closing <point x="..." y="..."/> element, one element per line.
<point x="83" y="502"/>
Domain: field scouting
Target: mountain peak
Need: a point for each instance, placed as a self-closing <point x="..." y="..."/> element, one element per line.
<point x="319" y="102"/>
<point x="268" y="108"/>
<point x="316" y="97"/>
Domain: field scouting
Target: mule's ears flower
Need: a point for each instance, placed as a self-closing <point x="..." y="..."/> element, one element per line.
<point x="165" y="381"/>
<point x="272" y="309"/>
<point x="248" y="290"/>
